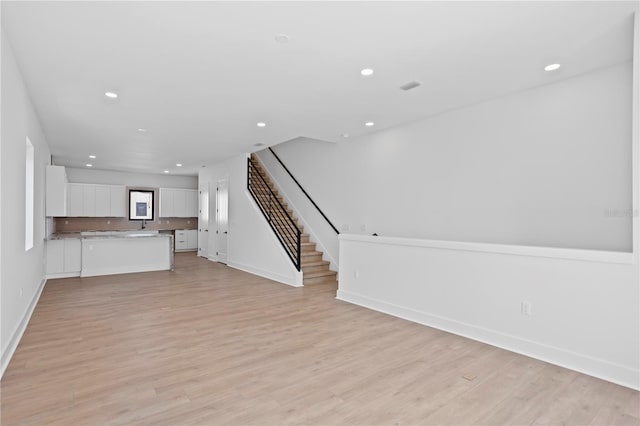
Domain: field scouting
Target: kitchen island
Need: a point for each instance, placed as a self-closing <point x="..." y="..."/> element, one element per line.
<point x="107" y="253"/>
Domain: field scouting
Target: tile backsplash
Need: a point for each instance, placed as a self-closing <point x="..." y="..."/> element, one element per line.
<point x="79" y="224"/>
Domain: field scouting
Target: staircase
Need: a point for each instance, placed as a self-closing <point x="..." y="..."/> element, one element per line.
<point x="287" y="227"/>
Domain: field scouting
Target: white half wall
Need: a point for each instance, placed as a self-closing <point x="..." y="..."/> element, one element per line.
<point x="22" y="272"/>
<point x="548" y="167"/>
<point x="252" y="245"/>
<point x="584" y="304"/>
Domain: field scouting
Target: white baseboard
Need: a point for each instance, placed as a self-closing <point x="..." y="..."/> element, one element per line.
<point x="63" y="275"/>
<point x="17" y="334"/>
<point x="599" y="368"/>
<point x="295" y="282"/>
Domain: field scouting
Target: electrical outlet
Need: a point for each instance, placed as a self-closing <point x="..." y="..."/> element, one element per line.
<point x="346" y="227"/>
<point x="356" y="273"/>
<point x="167" y="222"/>
<point x="525" y="308"/>
<point x="363" y="228"/>
<point x="21" y="291"/>
<point x="108" y="222"/>
<point x="188" y="222"/>
<point x="66" y="222"/>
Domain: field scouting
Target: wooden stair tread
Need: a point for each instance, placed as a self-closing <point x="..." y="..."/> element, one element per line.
<point x="326" y="273"/>
<point x="317" y="263"/>
<point x="311" y="254"/>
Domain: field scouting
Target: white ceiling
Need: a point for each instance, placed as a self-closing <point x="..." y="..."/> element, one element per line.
<point x="200" y="75"/>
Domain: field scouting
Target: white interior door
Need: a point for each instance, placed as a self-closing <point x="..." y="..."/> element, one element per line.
<point x="203" y="220"/>
<point x="222" y="219"/>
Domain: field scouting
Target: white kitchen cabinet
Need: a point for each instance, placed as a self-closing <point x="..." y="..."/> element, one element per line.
<point x="192" y="239"/>
<point x="92" y="200"/>
<point x="180" y="203"/>
<point x="75" y="199"/>
<point x="103" y="200"/>
<point x="192" y="202"/>
<point x="55" y="256"/>
<point x="177" y="202"/>
<point x="118" y="195"/>
<point x="166" y="202"/>
<point x="56" y="191"/>
<point x="88" y="200"/>
<point x="64" y="258"/>
<point x="181" y="240"/>
<point x="186" y="239"/>
<point x="72" y="255"/>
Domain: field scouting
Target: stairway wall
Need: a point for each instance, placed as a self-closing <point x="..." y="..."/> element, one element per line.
<point x="319" y="231"/>
<point x="252" y="246"/>
<point x="550" y="167"/>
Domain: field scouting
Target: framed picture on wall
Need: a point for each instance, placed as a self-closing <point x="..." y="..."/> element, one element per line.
<point x="140" y="205"/>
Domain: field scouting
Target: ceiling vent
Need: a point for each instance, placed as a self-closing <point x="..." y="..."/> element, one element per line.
<point x="411" y="85"/>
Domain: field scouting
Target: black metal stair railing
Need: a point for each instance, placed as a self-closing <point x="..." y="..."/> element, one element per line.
<point x="286" y="169"/>
<point x="276" y="214"/>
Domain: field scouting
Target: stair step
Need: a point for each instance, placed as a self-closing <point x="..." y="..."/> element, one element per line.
<point x="319" y="281"/>
<point x="326" y="273"/>
<point x="320" y="278"/>
<point x="318" y="263"/>
<point x="305" y="247"/>
<point x="320" y="267"/>
<point x="306" y="258"/>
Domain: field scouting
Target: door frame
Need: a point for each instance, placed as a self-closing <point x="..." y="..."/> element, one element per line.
<point x="203" y="222"/>
<point x="224" y="260"/>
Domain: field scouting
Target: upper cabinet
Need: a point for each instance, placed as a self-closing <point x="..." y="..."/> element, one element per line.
<point x="118" y="198"/>
<point x="56" y="191"/>
<point x="176" y="202"/>
<point x="75" y="199"/>
<point x="192" y="203"/>
<point x="90" y="200"/>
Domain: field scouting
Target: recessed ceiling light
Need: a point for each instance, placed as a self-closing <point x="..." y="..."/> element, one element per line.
<point x="345" y="135"/>
<point x="552" y="67"/>
<point x="89" y="165"/>
<point x="178" y="165"/>
<point x="261" y="124"/>
<point x="258" y="144"/>
<point x="369" y="123"/>
<point x="282" y="38"/>
<point x="141" y="130"/>
<point x="92" y="156"/>
<point x="112" y="95"/>
<point x="366" y="72"/>
<point x="166" y="171"/>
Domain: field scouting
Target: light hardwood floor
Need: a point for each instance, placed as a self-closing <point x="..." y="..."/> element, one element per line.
<point x="210" y="345"/>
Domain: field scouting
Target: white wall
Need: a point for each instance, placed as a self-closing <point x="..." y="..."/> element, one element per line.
<point x="22" y="272"/>
<point x="252" y="245"/>
<point x="584" y="304"/>
<point x="108" y="177"/>
<point x="550" y="166"/>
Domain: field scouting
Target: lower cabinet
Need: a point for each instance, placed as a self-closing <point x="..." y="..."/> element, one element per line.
<point x="64" y="258"/>
<point x="186" y="239"/>
<point x="192" y="239"/>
